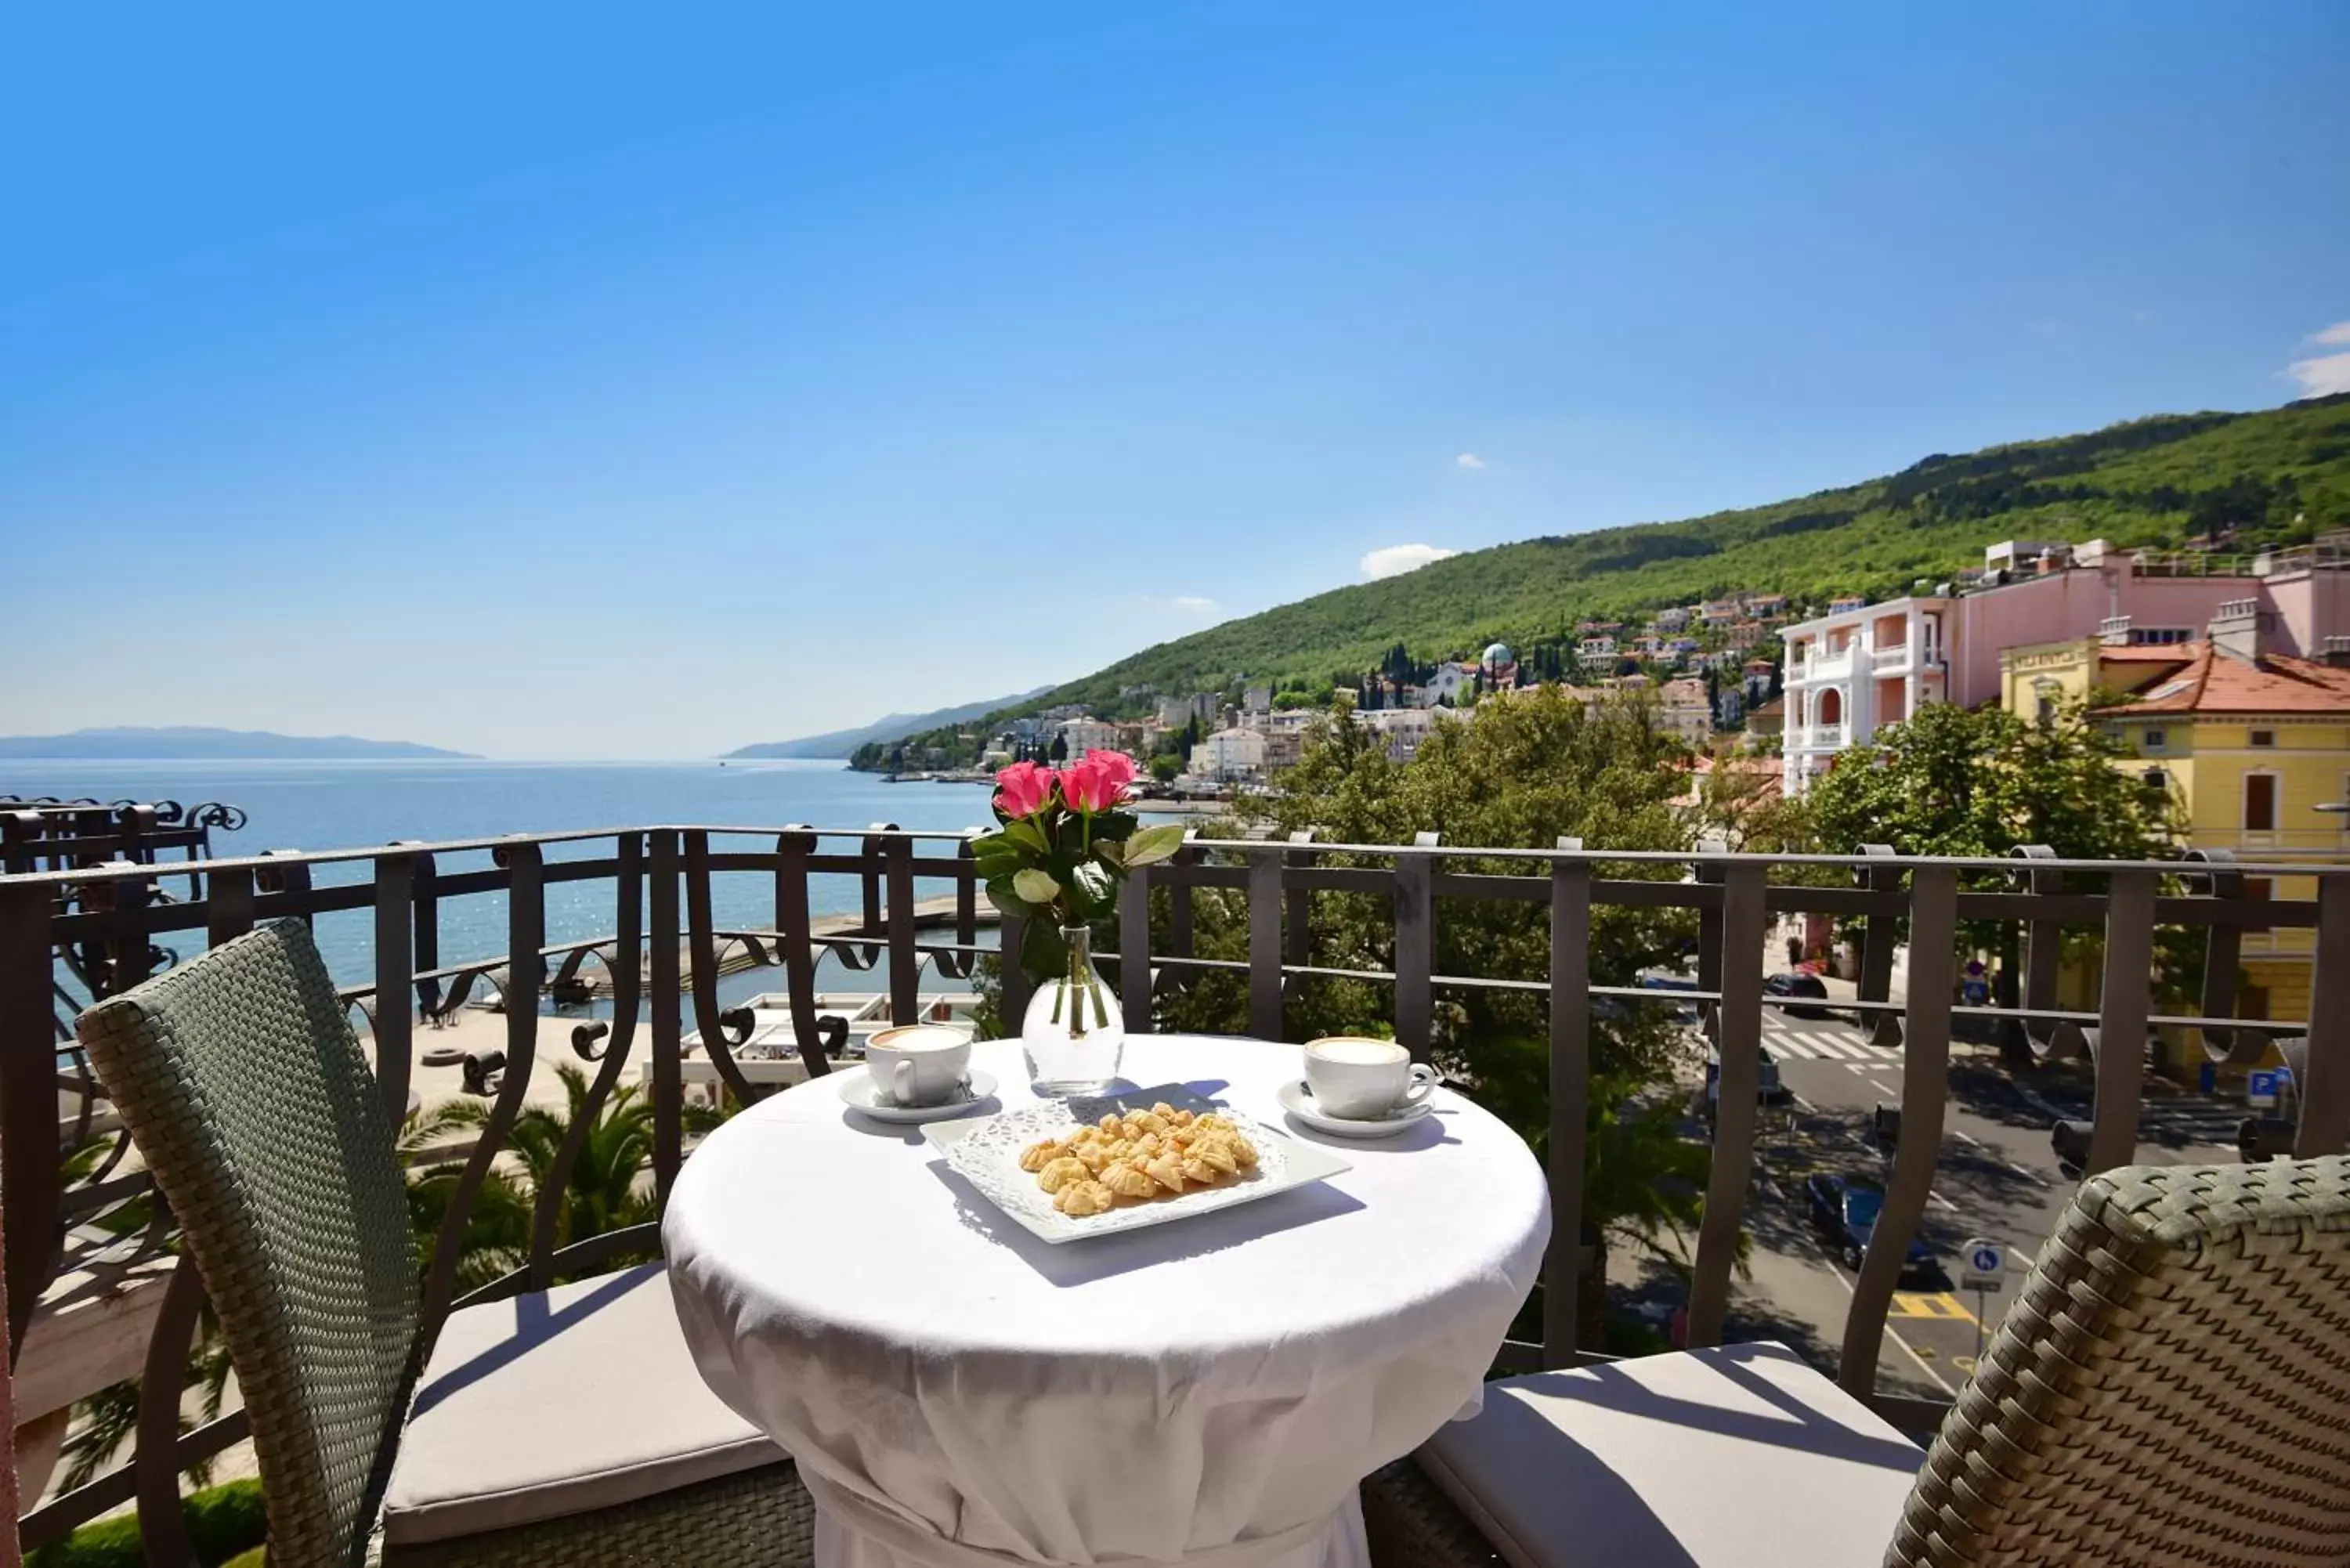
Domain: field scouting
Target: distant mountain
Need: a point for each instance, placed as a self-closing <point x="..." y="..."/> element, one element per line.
<point x="187" y="743"/>
<point x="841" y="742"/>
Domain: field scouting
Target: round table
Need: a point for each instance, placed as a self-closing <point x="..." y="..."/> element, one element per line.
<point x="960" y="1394"/>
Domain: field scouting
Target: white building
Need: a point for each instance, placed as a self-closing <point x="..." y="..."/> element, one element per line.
<point x="1229" y="756"/>
<point x="1452" y="681"/>
<point x="1082" y="735"/>
<point x="1688" y="710"/>
<point x="1848" y="673"/>
<point x="1403" y="730"/>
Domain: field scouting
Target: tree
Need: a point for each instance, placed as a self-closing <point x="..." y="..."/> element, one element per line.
<point x="1059" y="750"/>
<point x="1977" y="782"/>
<point x="1524" y="773"/>
<point x="1166" y="767"/>
<point x="605" y="1189"/>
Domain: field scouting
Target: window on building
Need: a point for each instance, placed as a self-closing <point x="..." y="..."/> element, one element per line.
<point x="2264" y="737"/>
<point x="2155" y="779"/>
<point x="2154" y="740"/>
<point x="2260" y="887"/>
<point x="2260" y="803"/>
<point x="2045" y="708"/>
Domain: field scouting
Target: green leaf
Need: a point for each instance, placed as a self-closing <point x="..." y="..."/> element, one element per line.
<point x="1036" y="886"/>
<point x="1111" y="852"/>
<point x="1043" y="955"/>
<point x="1154" y="845"/>
<point x="1023" y="832"/>
<point x="1096" y="886"/>
<point x="1006" y="901"/>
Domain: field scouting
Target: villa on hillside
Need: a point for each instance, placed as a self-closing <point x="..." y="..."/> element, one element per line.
<point x="1864" y="665"/>
<point x="2251" y="740"/>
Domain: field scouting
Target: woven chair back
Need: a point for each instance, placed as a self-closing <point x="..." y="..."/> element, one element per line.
<point x="245" y="1092"/>
<point x="2172" y="1385"/>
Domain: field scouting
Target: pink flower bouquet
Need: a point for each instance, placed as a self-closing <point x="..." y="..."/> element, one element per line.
<point x="1066" y="844"/>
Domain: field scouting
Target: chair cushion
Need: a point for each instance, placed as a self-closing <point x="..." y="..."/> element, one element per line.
<point x="552" y="1404"/>
<point x="1740" y="1454"/>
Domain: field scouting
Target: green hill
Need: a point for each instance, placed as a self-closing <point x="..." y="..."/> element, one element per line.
<point x="2268" y="477"/>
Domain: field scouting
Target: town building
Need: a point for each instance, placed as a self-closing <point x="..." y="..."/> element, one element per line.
<point x="1673" y="619"/>
<point x="1865" y="665"/>
<point x="2249" y="739"/>
<point x="1598" y="650"/>
<point x="1229" y="756"/>
<point x="1687" y="711"/>
<point x="1403" y="730"/>
<point x="1452" y="685"/>
<point x="1082" y="735"/>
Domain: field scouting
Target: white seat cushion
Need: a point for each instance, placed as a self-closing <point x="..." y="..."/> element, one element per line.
<point x="557" y="1403"/>
<point x="1741" y="1455"/>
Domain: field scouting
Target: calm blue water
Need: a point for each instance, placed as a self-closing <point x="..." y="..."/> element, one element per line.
<point x="333" y="806"/>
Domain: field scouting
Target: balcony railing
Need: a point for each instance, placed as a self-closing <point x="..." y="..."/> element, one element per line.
<point x="664" y="948"/>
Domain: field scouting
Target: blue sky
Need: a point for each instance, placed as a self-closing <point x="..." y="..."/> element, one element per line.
<point x="645" y="382"/>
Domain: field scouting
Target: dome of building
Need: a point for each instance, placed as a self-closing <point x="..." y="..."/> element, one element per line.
<point x="1498" y="655"/>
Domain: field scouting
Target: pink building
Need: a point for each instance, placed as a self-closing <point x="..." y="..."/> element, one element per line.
<point x="1849" y="672"/>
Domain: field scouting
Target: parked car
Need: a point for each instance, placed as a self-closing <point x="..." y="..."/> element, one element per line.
<point x="1844" y="1211"/>
<point x="1797" y="983"/>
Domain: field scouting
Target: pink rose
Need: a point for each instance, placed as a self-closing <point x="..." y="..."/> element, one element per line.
<point x="1024" y="789"/>
<point x="1097" y="783"/>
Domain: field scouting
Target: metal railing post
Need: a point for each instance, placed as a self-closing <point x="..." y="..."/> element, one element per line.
<point x="2325" y="1094"/>
<point x="2122" y="1008"/>
<point x="1415" y="948"/>
<point x="1570" y="1102"/>
<point x="1925" y="1082"/>
<point x="1739" y="1038"/>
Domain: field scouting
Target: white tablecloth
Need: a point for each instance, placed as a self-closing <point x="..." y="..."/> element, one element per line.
<point x="961" y="1394"/>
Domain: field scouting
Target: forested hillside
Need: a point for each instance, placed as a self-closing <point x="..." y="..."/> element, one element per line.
<point x="2273" y="476"/>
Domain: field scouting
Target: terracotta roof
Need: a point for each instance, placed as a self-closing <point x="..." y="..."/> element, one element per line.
<point x="2212" y="682"/>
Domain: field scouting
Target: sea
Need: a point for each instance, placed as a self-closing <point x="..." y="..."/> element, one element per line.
<point x="315" y="806"/>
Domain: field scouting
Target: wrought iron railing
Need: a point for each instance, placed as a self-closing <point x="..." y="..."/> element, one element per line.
<point x="663" y="951"/>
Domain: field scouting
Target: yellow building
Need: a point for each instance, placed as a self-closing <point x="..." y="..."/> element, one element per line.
<point x="2250" y="742"/>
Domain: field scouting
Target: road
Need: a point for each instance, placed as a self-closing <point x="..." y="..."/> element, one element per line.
<point x="1996" y="1177"/>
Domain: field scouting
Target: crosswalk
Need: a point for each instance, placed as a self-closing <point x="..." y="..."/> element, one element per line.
<point x="1823" y="1039"/>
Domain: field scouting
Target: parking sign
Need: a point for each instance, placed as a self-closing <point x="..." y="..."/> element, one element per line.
<point x="1982" y="1265"/>
<point x="2263" y="1087"/>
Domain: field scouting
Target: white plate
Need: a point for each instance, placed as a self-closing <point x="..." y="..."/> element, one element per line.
<point x="1297" y="1099"/>
<point x="987" y="1154"/>
<point x="858" y="1092"/>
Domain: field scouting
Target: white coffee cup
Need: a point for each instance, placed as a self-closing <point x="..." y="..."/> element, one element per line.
<point x="1357" y="1078"/>
<point x="918" y="1063"/>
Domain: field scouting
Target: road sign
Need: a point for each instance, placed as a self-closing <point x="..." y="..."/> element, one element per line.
<point x="1982" y="1265"/>
<point x="2263" y="1087"/>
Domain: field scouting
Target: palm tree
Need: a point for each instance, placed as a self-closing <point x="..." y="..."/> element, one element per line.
<point x="604" y="1190"/>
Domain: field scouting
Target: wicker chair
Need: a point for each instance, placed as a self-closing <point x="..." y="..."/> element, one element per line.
<point x="563" y="1427"/>
<point x="2172" y="1386"/>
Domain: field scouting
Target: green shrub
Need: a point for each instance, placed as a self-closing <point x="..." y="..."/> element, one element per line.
<point x="223" y="1522"/>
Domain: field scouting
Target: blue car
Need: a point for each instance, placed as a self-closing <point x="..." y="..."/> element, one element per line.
<point x="1845" y="1212"/>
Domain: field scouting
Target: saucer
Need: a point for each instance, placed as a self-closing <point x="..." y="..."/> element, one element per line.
<point x="1297" y="1099"/>
<point x="857" y="1092"/>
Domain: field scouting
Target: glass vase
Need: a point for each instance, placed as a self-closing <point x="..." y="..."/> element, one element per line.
<point x="1073" y="1033"/>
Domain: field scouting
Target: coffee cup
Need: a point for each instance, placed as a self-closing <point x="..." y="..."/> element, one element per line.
<point x="918" y="1063"/>
<point x="1356" y="1077"/>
